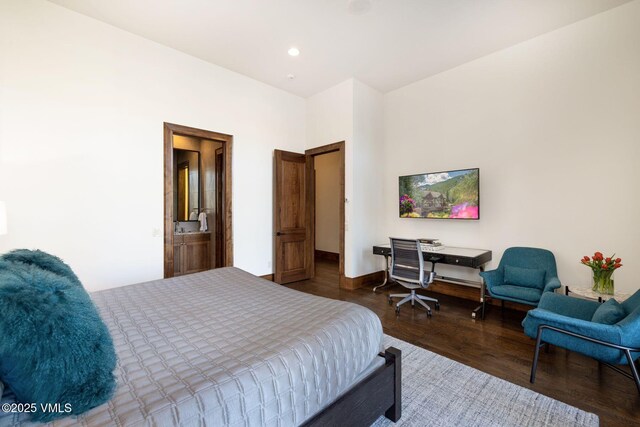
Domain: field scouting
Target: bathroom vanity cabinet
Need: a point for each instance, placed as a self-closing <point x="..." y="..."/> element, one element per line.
<point x="191" y="253"/>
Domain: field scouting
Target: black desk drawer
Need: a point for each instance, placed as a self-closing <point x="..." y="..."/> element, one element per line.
<point x="458" y="260"/>
<point x="378" y="250"/>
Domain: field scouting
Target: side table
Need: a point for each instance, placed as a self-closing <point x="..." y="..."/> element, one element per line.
<point x="589" y="293"/>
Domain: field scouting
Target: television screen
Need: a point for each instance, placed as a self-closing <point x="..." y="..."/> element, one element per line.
<point x="446" y="195"/>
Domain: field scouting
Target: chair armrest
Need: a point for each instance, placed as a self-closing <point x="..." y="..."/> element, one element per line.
<point x="492" y="278"/>
<point x="607" y="333"/>
<point x="551" y="285"/>
<point x="568" y="306"/>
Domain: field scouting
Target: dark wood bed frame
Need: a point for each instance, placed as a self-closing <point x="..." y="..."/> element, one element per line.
<point x="376" y="395"/>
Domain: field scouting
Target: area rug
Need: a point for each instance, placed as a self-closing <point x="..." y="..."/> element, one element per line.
<point x="437" y="391"/>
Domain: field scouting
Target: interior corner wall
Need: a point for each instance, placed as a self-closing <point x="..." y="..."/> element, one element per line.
<point x="82" y="106"/>
<point x="329" y="119"/>
<point x="352" y="112"/>
<point x="364" y="203"/>
<point x="552" y="123"/>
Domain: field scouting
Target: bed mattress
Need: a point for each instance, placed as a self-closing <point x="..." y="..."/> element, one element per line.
<point x="224" y="347"/>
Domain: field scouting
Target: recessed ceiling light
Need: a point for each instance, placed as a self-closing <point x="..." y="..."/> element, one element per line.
<point x="294" y="51"/>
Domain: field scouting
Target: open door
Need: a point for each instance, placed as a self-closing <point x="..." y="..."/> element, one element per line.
<point x="293" y="239"/>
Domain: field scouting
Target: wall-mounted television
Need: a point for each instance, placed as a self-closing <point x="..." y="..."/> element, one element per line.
<point x="443" y="195"/>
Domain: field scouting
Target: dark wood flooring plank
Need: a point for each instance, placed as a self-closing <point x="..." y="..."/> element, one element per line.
<point x="496" y="346"/>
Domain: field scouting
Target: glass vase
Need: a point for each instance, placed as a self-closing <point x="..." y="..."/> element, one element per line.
<point x="603" y="282"/>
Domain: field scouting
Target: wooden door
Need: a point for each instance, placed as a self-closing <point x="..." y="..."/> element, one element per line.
<point x="293" y="251"/>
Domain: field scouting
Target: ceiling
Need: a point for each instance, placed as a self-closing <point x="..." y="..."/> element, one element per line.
<point x="392" y="44"/>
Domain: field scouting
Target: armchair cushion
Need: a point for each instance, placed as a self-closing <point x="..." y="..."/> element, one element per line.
<point x="578" y="308"/>
<point x="518" y="293"/>
<point x="609" y="313"/>
<point x="525" y="277"/>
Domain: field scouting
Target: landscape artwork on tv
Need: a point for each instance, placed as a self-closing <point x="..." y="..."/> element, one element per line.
<point x="444" y="195"/>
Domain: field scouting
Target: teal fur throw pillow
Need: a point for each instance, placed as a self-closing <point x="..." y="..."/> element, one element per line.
<point x="609" y="313"/>
<point x="525" y="277"/>
<point x="55" y="348"/>
<point x="42" y="260"/>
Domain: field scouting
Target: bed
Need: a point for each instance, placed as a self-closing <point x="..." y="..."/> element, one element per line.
<point x="224" y="347"/>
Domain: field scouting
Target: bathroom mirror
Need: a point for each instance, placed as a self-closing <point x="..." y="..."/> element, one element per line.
<point x="186" y="185"/>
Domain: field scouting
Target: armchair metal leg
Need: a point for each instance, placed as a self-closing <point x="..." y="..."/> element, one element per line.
<point x="634" y="370"/>
<point x="532" y="379"/>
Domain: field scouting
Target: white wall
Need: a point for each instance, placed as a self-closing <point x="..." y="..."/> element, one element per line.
<point x="352" y="112"/>
<point x="75" y="94"/>
<point x="366" y="197"/>
<point x="329" y="119"/>
<point x="553" y="124"/>
<point x="328" y="202"/>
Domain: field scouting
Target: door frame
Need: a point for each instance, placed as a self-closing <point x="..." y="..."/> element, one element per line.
<point x="171" y="129"/>
<point x="311" y="201"/>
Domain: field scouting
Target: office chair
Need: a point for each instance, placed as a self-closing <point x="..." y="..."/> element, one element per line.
<point x="407" y="268"/>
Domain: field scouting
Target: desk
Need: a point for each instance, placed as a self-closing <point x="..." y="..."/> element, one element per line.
<point x="462" y="257"/>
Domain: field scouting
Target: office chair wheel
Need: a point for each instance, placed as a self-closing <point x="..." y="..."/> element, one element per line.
<point x="429" y="314"/>
<point x="389" y="300"/>
<point x="397" y="310"/>
<point x="437" y="306"/>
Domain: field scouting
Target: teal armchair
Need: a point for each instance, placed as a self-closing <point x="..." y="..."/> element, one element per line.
<point x="523" y="276"/>
<point x="609" y="332"/>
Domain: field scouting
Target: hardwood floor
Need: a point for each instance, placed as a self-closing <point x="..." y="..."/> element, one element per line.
<point x="496" y="345"/>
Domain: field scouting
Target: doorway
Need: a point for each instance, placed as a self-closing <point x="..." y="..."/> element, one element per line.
<point x="295" y="213"/>
<point x="197" y="186"/>
<point x="327" y="215"/>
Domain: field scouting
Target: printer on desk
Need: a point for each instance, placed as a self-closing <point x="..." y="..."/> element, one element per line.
<point x="431" y="245"/>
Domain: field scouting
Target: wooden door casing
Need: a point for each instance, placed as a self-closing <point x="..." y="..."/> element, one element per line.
<point x="219" y="222"/>
<point x="170" y="258"/>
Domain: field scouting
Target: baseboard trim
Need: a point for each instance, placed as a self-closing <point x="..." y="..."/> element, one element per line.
<point x="358" y="282"/>
<point x="473" y="294"/>
<point x="327" y="256"/>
